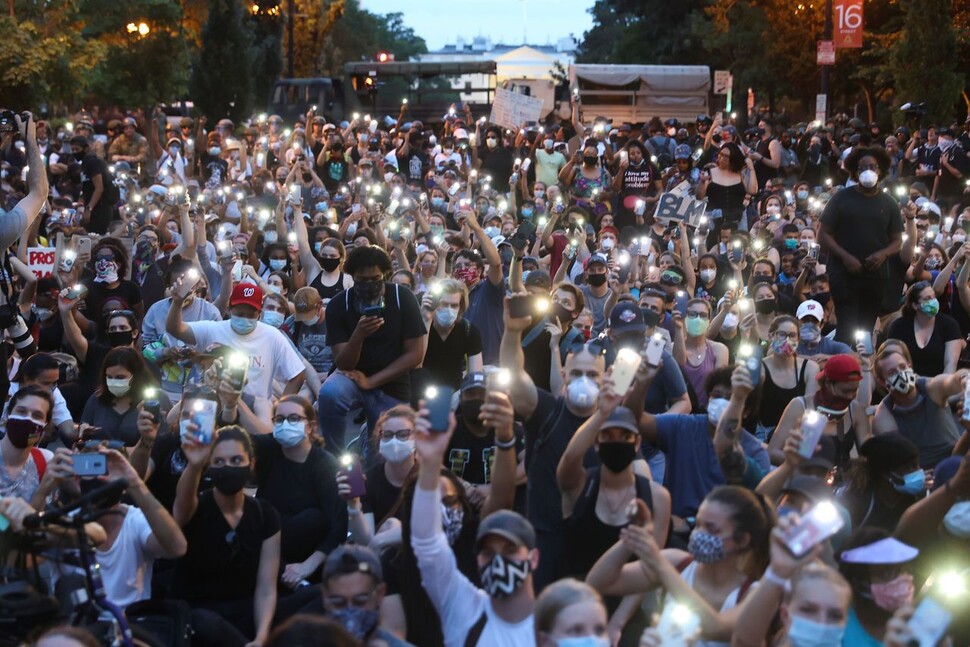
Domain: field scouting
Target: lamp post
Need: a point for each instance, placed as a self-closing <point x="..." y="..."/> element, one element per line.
<point x="827" y="36"/>
<point x="290" y="11"/>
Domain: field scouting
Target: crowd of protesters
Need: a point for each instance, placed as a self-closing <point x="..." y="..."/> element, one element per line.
<point x="381" y="382"/>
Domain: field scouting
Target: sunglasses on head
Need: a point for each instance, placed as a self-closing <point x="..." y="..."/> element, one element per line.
<point x="594" y="347"/>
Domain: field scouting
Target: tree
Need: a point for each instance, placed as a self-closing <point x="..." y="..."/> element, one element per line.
<point x="643" y="31"/>
<point x="360" y="34"/>
<point x="267" y="53"/>
<point x="928" y="30"/>
<point x="220" y="84"/>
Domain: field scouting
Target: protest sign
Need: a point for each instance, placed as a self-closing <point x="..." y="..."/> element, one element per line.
<point x="512" y="109"/>
<point x="674" y="208"/>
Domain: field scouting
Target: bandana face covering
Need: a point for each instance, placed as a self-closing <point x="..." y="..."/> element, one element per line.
<point x="903" y="381"/>
<point x="894" y="594"/>
<point x="502" y="577"/>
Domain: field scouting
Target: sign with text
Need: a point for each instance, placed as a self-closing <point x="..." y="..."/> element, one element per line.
<point x="825" y="52"/>
<point x="512" y="109"/>
<point x="40" y="261"/>
<point x="821" y="107"/>
<point x="847" y="16"/>
<point x="674" y="207"/>
<point x="722" y="81"/>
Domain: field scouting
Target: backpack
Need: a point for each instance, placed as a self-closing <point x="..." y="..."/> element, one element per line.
<point x="168" y="621"/>
<point x="665" y="158"/>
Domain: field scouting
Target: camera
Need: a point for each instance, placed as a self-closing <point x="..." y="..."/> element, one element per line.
<point x="8" y="121"/>
<point x="13" y="322"/>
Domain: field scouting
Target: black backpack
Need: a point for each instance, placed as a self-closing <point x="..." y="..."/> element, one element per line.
<point x="664" y="158"/>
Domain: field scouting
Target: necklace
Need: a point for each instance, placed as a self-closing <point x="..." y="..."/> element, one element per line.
<point x="624" y="499"/>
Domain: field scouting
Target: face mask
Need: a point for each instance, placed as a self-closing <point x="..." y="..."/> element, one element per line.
<point x="277" y="264"/>
<point x="868" y="178"/>
<point x="451" y="522"/>
<point x="802" y="195"/>
<point x="395" y="450"/>
<point x="492" y="232"/>
<point x="772" y="210"/>
<point x="313" y="321"/>
<point x="491" y="142"/>
<point x="903" y="381"/>
<point x="589" y="161"/>
<point x="705" y="548"/>
<point x="214" y="151"/>
<point x="582" y="393"/>
<point x="782" y="347"/>
<point x="118" y="387"/>
<point x="120" y="338"/>
<point x="43" y="315"/>
<point x="467" y="275"/>
<point x="105" y="271"/>
<point x="932" y="263"/>
<point x="616" y="456"/>
<point x="527" y="212"/>
<point x="791" y="243"/>
<point x="913" y="483"/>
<point x="584" y="641"/>
<point x="823" y="298"/>
<point x="242" y="325"/>
<point x="715" y="409"/>
<point x="23" y="432"/>
<point x="359" y="622"/>
<point x="805" y="633"/>
<point x="329" y="264"/>
<point x="540" y="193"/>
<point x="275" y="289"/>
<point x="708" y="276"/>
<point x="596" y="280"/>
<point x="502" y="577"/>
<point x="548" y="143"/>
<point x="930" y="308"/>
<point x="270" y="237"/>
<point x="561" y="313"/>
<point x="445" y="317"/>
<point x="607" y="244"/>
<point x="890" y="596"/>
<point x="369" y="291"/>
<point x="437" y="202"/>
<point x="730" y="321"/>
<point x="809" y="333"/>
<point x="696" y="326"/>
<point x="229" y="479"/>
<point x="173" y="151"/>
<point x="765" y="306"/>
<point x="289" y="434"/>
<point x="957" y="520"/>
<point x="273" y="318"/>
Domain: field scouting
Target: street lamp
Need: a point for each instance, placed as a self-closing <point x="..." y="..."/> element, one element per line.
<point x="142" y="28"/>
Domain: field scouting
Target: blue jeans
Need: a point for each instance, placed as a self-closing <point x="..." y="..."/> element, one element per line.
<point x="338" y="396"/>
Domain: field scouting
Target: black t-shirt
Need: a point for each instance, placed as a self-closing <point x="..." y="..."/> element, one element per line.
<point x="335" y="173"/>
<point x="445" y="359"/>
<point x="50" y="338"/>
<point x="90" y="369"/>
<point x="169" y="462"/>
<point x="92" y="166"/>
<point x="927" y="361"/>
<point x="862" y="225"/>
<point x="402" y="321"/>
<point x="498" y="163"/>
<point x="637" y="183"/>
<point x="127" y="293"/>
<point x="415" y="165"/>
<point x="950" y="185"/>
<point x="222" y="563"/>
<point x="215" y="170"/>
<point x="537" y="354"/>
<point x="470" y="457"/>
<point x="381" y="494"/>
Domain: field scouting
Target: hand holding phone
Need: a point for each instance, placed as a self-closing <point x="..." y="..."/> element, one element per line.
<point x="818" y="524"/>
<point x="90" y="464"/>
<point x="350" y="467"/>
<point x="655" y="349"/>
<point x="437" y="400"/>
<point x="625" y="369"/>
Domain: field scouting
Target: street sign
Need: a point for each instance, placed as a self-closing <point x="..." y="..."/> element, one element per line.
<point x="825" y="53"/>
<point x="847" y="16"/>
<point x="821" y="107"/>
<point x="722" y="81"/>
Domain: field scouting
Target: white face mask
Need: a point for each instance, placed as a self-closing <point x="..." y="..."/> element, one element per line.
<point x="715" y="409"/>
<point x="957" y="520"/>
<point x="582" y="392"/>
<point x="607" y="243"/>
<point x="730" y="321"/>
<point x="868" y="178"/>
<point x="395" y="450"/>
<point x="118" y="387"/>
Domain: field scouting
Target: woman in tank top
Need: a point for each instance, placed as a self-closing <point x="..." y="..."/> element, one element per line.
<point x="783" y="376"/>
<point x="322" y="267"/>
<point x="726" y="182"/>
<point x="703" y="356"/>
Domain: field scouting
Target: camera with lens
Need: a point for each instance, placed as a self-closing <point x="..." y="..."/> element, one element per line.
<point x="8" y="121"/>
<point x="13" y="323"/>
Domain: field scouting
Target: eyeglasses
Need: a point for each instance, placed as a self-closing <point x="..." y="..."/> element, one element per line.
<point x="697" y="315"/>
<point x="400" y="434"/>
<point x="781" y="335"/>
<point x="671" y="278"/>
<point x="293" y="419"/>
<point x="594" y="347"/>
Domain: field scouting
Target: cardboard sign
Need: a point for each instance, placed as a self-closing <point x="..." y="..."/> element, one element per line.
<point x="40" y="261"/>
<point x="674" y="208"/>
<point x="512" y="109"/>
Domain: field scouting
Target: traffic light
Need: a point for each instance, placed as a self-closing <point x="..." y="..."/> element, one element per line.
<point x="384" y="57"/>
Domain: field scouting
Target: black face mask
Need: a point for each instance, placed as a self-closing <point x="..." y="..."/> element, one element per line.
<point x="596" y="280"/>
<point x="616" y="456"/>
<point x="560" y="312"/>
<point x="229" y="479"/>
<point x="79" y="157"/>
<point x="822" y="298"/>
<point x="470" y="410"/>
<point x="329" y="264"/>
<point x="369" y="291"/>
<point x="120" y="338"/>
<point x="765" y="306"/>
<point x="589" y="161"/>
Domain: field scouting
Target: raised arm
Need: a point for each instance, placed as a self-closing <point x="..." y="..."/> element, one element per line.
<point x="522" y="390"/>
<point x="498" y="414"/>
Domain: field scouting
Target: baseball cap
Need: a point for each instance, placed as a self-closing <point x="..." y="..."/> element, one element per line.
<point x="508" y="524"/>
<point x="621" y="418"/>
<point x="474" y="380"/>
<point x="682" y="152"/>
<point x="596" y="258"/>
<point x="810" y="308"/>
<point x="889" y="451"/>
<point x="306" y="301"/>
<point x="884" y="551"/>
<point x="351" y="558"/>
<point x="460" y="133"/>
<point x="626" y="317"/>
<point x="246" y="294"/>
<point x="841" y="368"/>
<point x="810" y="487"/>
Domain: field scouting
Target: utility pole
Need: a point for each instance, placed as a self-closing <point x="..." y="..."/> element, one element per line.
<point x="826" y="36"/>
<point x="290" y="19"/>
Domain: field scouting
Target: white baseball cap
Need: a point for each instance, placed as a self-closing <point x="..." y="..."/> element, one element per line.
<point x="810" y="308"/>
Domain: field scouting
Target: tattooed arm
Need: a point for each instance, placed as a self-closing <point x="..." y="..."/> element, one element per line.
<point x="727" y="437"/>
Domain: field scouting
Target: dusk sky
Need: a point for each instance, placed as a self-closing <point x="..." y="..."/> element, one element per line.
<point x="439" y="25"/>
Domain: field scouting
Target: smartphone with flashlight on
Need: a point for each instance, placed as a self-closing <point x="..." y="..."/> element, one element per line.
<point x="678" y="625"/>
<point x="351" y="467"/>
<point x="750" y="354"/>
<point x="655" y="349"/>
<point x="236" y="368"/>
<point x="625" y="369"/>
<point x="438" y="402"/>
<point x="818" y="524"/>
<point x="941" y="600"/>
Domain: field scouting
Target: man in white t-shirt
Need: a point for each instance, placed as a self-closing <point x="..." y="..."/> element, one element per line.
<point x="136" y="535"/>
<point x="270" y="352"/>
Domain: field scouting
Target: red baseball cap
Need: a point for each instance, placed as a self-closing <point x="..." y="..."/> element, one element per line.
<point x="247" y="294"/>
<point x="841" y="368"/>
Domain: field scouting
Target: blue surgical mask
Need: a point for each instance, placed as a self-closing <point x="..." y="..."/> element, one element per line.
<point x="805" y="633"/>
<point x="277" y="264"/>
<point x="272" y="318"/>
<point x="913" y="483"/>
<point x="527" y="212"/>
<point x="437" y="202"/>
<point x="289" y="434"/>
<point x="242" y="325"/>
<point x="321" y="206"/>
<point x="584" y="641"/>
<point x="446" y="317"/>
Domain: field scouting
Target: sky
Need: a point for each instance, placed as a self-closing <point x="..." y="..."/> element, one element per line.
<point x="502" y="20"/>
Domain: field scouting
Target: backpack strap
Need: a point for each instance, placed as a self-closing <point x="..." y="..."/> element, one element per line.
<point x="475" y="633"/>
<point x="40" y="461"/>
